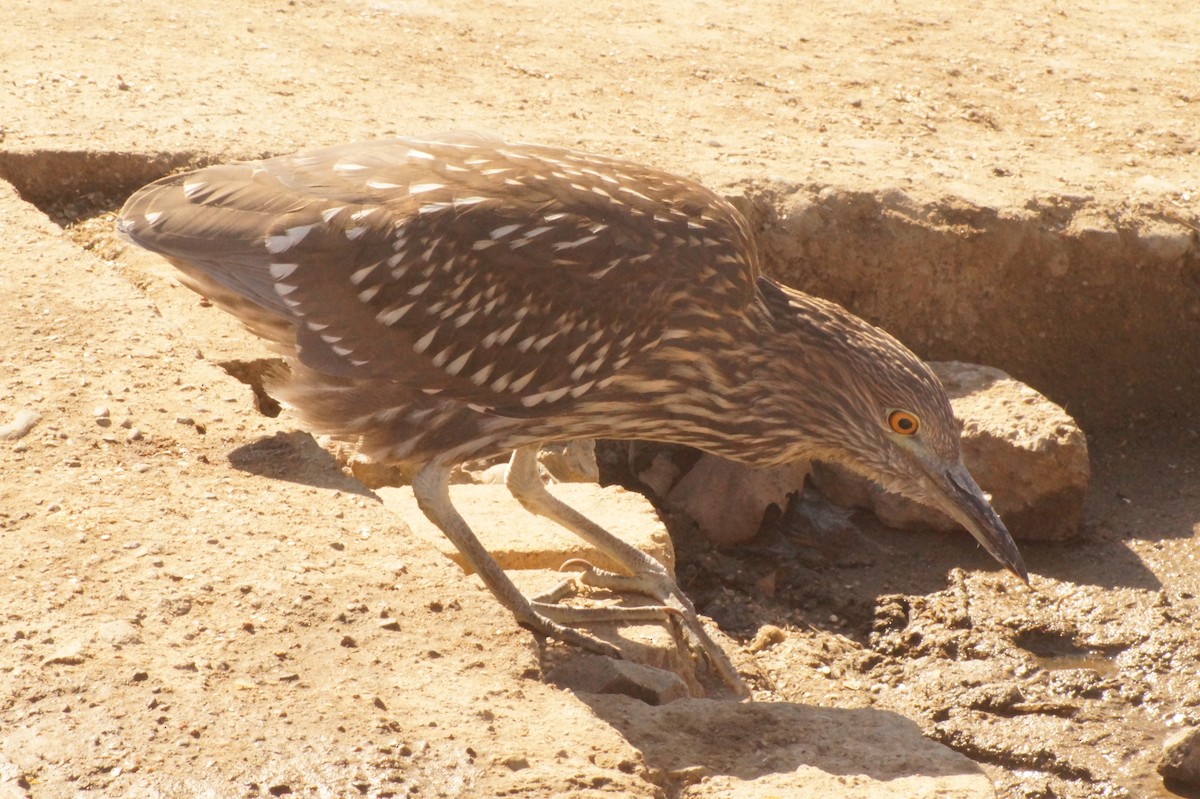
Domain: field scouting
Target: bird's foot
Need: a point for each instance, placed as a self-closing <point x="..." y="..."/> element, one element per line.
<point x="539" y="621"/>
<point x="672" y="605"/>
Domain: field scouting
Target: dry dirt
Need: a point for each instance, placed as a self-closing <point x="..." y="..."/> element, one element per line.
<point x="197" y="602"/>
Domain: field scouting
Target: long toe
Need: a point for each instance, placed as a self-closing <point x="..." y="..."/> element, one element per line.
<point x="664" y="590"/>
<point x="542" y="624"/>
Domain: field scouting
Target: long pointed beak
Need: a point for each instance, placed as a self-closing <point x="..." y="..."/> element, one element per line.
<point x="963" y="500"/>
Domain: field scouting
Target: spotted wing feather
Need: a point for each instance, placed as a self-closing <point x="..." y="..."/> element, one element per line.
<point x="498" y="275"/>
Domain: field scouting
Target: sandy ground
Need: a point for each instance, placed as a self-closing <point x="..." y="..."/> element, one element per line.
<point x="198" y="602"/>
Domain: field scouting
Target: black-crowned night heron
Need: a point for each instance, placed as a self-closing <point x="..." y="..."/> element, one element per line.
<point x="459" y="297"/>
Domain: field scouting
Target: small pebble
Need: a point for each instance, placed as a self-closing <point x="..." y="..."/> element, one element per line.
<point x="1180" y="760"/>
<point x="21" y="424"/>
<point x="767" y="636"/>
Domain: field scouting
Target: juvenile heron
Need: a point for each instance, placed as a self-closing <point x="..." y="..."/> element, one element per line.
<point x="460" y="297"/>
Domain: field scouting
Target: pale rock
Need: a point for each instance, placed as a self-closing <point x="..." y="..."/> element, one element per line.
<point x="727" y="500"/>
<point x="1180" y="760"/>
<point x="570" y="461"/>
<point x="20" y="425"/>
<point x="118" y="634"/>
<point x="371" y="473"/>
<point x="661" y="474"/>
<point x="595" y="674"/>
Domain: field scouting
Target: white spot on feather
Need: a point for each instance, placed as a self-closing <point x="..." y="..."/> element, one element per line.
<point x="392" y="315"/>
<point x="577" y="353"/>
<point x="422" y="344"/>
<point x="152" y="217"/>
<point x="456" y="366"/>
<point x="421" y="188"/>
<point x="280" y="271"/>
<point x="480" y="377"/>
<point x="521" y="382"/>
<point x="582" y="388"/>
<point x="359" y="275"/>
<point x="545" y="396"/>
<point x="503" y="231"/>
<point x="597" y="274"/>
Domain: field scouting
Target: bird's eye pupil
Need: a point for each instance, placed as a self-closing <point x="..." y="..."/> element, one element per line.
<point x="903" y="422"/>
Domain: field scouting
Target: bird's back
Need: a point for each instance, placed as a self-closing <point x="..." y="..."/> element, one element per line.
<point x="503" y="275"/>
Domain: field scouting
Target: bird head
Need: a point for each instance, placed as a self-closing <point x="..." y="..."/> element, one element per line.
<point x="870" y="404"/>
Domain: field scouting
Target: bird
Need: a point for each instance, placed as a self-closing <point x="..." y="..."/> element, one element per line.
<point x="457" y="296"/>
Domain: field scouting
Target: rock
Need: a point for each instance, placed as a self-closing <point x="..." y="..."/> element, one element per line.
<point x="596" y="674"/>
<point x="767" y="636"/>
<point x="1180" y="760"/>
<point x="118" y="634"/>
<point x="1021" y="448"/>
<point x="571" y="461"/>
<point x="727" y="500"/>
<point x="661" y="474"/>
<point x="72" y="653"/>
<point x="374" y="474"/>
<point x="19" y="425"/>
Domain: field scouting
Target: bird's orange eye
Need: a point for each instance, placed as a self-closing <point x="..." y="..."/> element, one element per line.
<point x="903" y="422"/>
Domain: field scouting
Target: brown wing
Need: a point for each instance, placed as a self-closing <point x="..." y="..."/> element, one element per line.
<point x="496" y="274"/>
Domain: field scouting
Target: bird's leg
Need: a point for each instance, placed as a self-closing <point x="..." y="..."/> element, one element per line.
<point x="647" y="576"/>
<point x="431" y="488"/>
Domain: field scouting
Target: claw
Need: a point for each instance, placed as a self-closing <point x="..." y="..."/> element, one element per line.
<point x="570" y="565"/>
